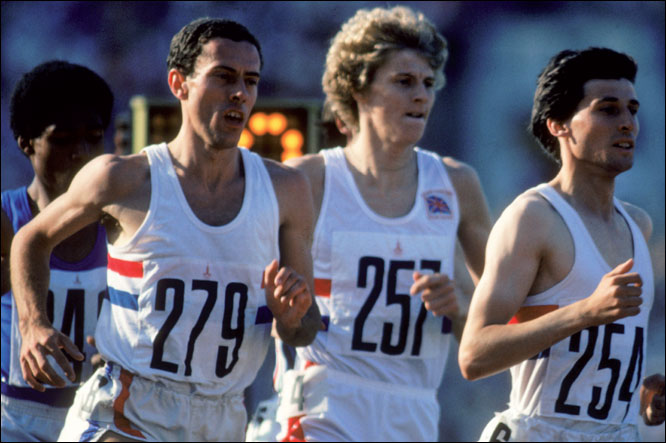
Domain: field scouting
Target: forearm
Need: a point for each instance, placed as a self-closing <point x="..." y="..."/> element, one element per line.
<point x="29" y="272"/>
<point x="303" y="334"/>
<point x="495" y="348"/>
<point x="458" y="326"/>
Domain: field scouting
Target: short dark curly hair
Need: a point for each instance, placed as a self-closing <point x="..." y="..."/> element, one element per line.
<point x="54" y="88"/>
<point x="560" y="87"/>
<point x="186" y="45"/>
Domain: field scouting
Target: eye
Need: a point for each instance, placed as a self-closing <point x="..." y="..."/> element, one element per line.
<point x="405" y="81"/>
<point x="227" y="77"/>
<point x="252" y="81"/>
<point x="610" y="110"/>
<point x="429" y="83"/>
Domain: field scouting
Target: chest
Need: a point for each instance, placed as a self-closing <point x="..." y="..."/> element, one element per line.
<point x="216" y="207"/>
<point x="604" y="243"/>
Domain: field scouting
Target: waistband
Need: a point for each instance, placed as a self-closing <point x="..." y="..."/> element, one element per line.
<point x="192" y="390"/>
<point x="59" y="398"/>
<point x="376" y="385"/>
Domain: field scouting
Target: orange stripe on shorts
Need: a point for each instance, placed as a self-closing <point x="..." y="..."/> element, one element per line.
<point x="119" y="418"/>
<point x="527" y="313"/>
<point x="294" y="431"/>
<point x="322" y="287"/>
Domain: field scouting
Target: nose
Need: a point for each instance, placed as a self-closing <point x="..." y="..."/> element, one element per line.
<point x="239" y="95"/>
<point x="628" y="123"/>
<point x="421" y="93"/>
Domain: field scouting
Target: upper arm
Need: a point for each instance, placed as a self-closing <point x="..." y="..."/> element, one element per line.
<point x="475" y="222"/>
<point x="314" y="168"/>
<point x="513" y="256"/>
<point x="99" y="184"/>
<point x="296" y="218"/>
<point x="7" y="237"/>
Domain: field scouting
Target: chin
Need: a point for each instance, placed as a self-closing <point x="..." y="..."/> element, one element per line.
<point x="620" y="167"/>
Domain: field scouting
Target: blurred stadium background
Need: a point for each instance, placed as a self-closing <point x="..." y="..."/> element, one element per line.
<point x="496" y="52"/>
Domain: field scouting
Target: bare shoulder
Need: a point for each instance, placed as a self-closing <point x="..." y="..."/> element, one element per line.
<point x="529" y="219"/>
<point x="310" y="164"/>
<point x="109" y="178"/>
<point x="284" y="176"/>
<point x="461" y="173"/>
<point x="641" y="217"/>
<point x="314" y="167"/>
<point x="291" y="188"/>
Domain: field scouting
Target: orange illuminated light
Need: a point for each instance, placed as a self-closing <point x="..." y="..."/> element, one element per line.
<point x="277" y="123"/>
<point x="292" y="144"/>
<point x="246" y="139"/>
<point x="258" y="123"/>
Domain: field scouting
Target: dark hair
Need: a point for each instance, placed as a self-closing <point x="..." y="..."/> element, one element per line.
<point x="52" y="89"/>
<point x="560" y="87"/>
<point x="187" y="43"/>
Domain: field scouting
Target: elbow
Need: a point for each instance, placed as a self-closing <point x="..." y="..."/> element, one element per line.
<point x="469" y="367"/>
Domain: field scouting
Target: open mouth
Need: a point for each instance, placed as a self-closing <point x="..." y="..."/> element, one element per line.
<point x="627" y="146"/>
<point x="234" y="117"/>
<point x="419" y="115"/>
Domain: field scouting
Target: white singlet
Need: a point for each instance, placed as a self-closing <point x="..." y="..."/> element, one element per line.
<point x="186" y="302"/>
<point x="381" y="343"/>
<point x="587" y="384"/>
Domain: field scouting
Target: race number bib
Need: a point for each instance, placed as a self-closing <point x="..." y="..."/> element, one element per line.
<point x="200" y="319"/>
<point x="72" y="305"/>
<point x="372" y="309"/>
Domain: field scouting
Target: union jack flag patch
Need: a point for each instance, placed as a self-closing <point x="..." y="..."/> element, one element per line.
<point x="437" y="205"/>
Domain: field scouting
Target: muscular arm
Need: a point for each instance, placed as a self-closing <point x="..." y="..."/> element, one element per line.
<point x="314" y="168"/>
<point x="475" y="223"/>
<point x="7" y="237"/>
<point x="473" y="232"/>
<point x="94" y="187"/>
<point x="516" y="248"/>
<point x="295" y="327"/>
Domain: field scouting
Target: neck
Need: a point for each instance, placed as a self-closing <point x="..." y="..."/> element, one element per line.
<point x="40" y="196"/>
<point x="211" y="166"/>
<point x="381" y="166"/>
<point x="591" y="194"/>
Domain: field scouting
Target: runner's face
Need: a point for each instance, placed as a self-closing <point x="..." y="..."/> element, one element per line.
<point x="398" y="102"/>
<point x="223" y="90"/>
<point x="605" y="125"/>
<point x="65" y="146"/>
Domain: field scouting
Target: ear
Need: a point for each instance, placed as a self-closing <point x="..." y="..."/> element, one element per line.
<point x="557" y="129"/>
<point x="178" y="84"/>
<point x="26" y="145"/>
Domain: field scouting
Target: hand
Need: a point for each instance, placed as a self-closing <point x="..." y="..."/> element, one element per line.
<point x="618" y="295"/>
<point x="437" y="292"/>
<point x="96" y="360"/>
<point x="652" y="400"/>
<point x="39" y="341"/>
<point x="287" y="295"/>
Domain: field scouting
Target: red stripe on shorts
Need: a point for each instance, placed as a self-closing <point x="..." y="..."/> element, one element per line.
<point x="322" y="287"/>
<point x="294" y="430"/>
<point x="125" y="268"/>
<point x="119" y="418"/>
<point x="527" y="313"/>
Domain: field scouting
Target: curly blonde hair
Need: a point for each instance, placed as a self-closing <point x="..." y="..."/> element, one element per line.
<point x="362" y="46"/>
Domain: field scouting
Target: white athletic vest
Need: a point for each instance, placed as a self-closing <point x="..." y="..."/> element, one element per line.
<point x="594" y="375"/>
<point x="186" y="301"/>
<point x="363" y="266"/>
